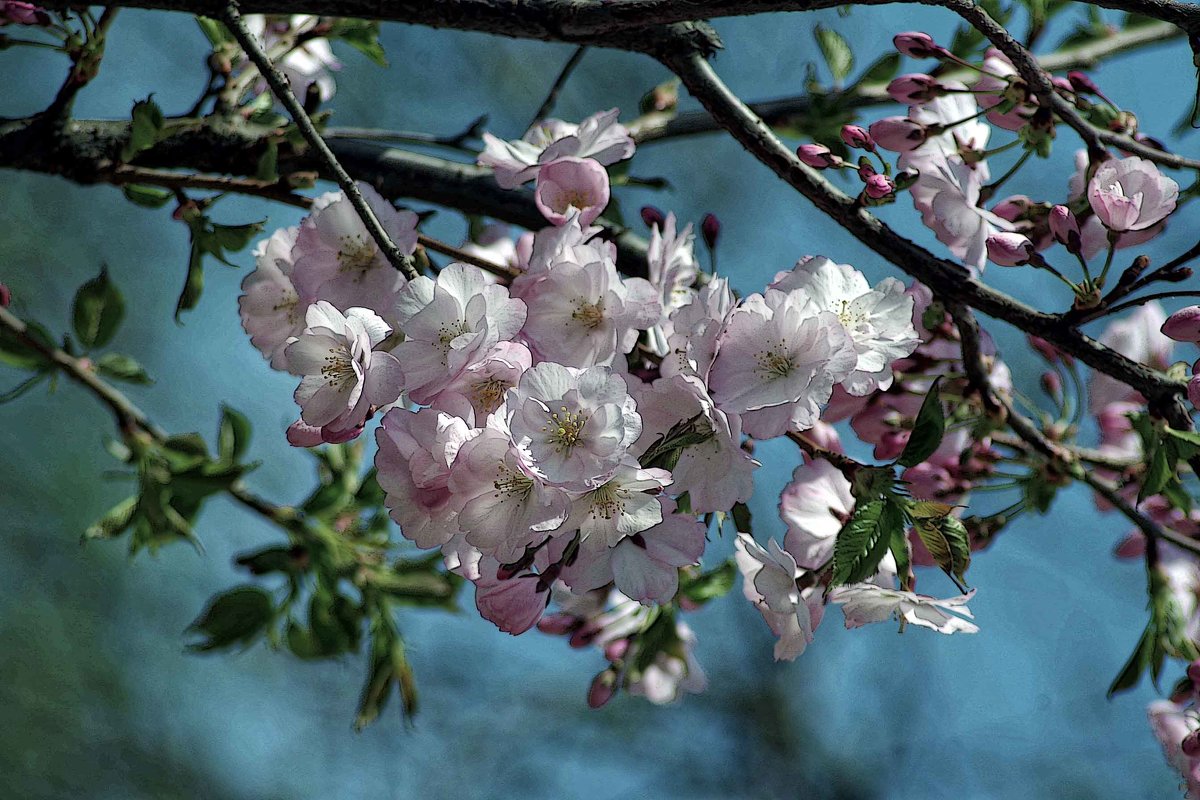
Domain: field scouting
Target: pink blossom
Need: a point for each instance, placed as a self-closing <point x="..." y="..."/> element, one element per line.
<point x="1183" y="325"/>
<point x="818" y="156"/>
<point x="416" y="451"/>
<point x="16" y="12"/>
<point x="344" y="377"/>
<point x="952" y="114"/>
<point x="696" y="328"/>
<point x="1092" y="233"/>
<point x="1139" y="337"/>
<point x="308" y="60"/>
<point x="864" y="603"/>
<point x="479" y="390"/>
<point x="598" y="137"/>
<point x="579" y="183"/>
<point x="672" y="673"/>
<point x="898" y="134"/>
<point x="336" y="259"/>
<point x="814" y="506"/>
<point x="514" y="604"/>
<point x="626" y="504"/>
<point x="777" y="362"/>
<point x="916" y="44"/>
<point x="450" y="324"/>
<point x="914" y="88"/>
<point x="577" y="424"/>
<point x="1130" y="194"/>
<point x="1065" y="227"/>
<point x="769" y="582"/>
<point x="857" y="137"/>
<point x="993" y="90"/>
<point x="879" y="186"/>
<point x="1172" y="723"/>
<point x="947" y="195"/>
<point x="271" y="310"/>
<point x="1193" y="389"/>
<point x="672" y="270"/>
<point x="1009" y="249"/>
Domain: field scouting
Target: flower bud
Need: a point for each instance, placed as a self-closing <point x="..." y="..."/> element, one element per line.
<point x="616" y="649"/>
<point x="879" y="187"/>
<point x="1191" y="744"/>
<point x="1065" y="228"/>
<point x="1193" y="672"/>
<point x="584" y="634"/>
<point x="1132" y="546"/>
<point x="916" y="44"/>
<point x="603" y="687"/>
<point x="1061" y="83"/>
<point x="5" y="296"/>
<point x="1081" y="83"/>
<point x="1013" y="208"/>
<point x="914" y="88"/>
<point x="557" y="624"/>
<point x="1009" y="249"/>
<point x="898" y="134"/>
<point x="1183" y="325"/>
<point x="865" y="169"/>
<point x="1052" y="384"/>
<point x="856" y="136"/>
<point x="818" y="156"/>
<point x="1049" y="352"/>
<point x="1193" y="389"/>
<point x="710" y="229"/>
<point x="653" y="216"/>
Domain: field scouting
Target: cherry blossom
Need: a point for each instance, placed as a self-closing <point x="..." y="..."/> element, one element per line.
<point x="305" y="60"/>
<point x="696" y="328"/>
<point x="515" y="604"/>
<point x="879" y="320"/>
<point x="344" y="378"/>
<point x="769" y="582"/>
<point x="1139" y="337"/>
<point x="479" y="390"/>
<point x="814" y="506"/>
<point x="599" y="137"/>
<point x="1172" y="723"/>
<point x="625" y="504"/>
<point x="578" y="183"/>
<point x="672" y="675"/>
<point x="1130" y="194"/>
<point x="270" y="307"/>
<point x="1183" y="325"/>
<point x="672" y="270"/>
<point x="864" y="603"/>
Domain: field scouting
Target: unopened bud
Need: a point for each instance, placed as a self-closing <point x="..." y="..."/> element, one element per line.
<point x="879" y="187"/>
<point x="584" y="634"/>
<point x="898" y="134"/>
<point x="1176" y="275"/>
<point x="1193" y="389"/>
<point x="1081" y="83"/>
<point x="857" y="136"/>
<point x="865" y="169"/>
<point x="1193" y="672"/>
<point x="818" y="156"/>
<point x="616" y="649"/>
<point x="1065" y="228"/>
<point x="915" y="88"/>
<point x="710" y="230"/>
<point x="557" y="624"/>
<point x="1183" y="325"/>
<point x="652" y="216"/>
<point x="1191" y="744"/>
<point x="1052" y="384"/>
<point x="1009" y="249"/>
<point x="603" y="687"/>
<point x="1013" y="208"/>
<point x="1049" y="352"/>
<point x="916" y="44"/>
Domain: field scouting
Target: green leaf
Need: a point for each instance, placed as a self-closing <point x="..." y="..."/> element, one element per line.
<point x="836" y="51"/>
<point x="947" y="541"/>
<point x="193" y="284"/>
<point x="145" y="128"/>
<point x="235" y="617"/>
<point x="1142" y="655"/>
<point x="114" y="522"/>
<point x="216" y="33"/>
<point x="881" y="71"/>
<point x="901" y="550"/>
<point x="927" y="431"/>
<point x="16" y="352"/>
<point x="98" y="311"/>
<point x="147" y="196"/>
<point x="864" y="541"/>
<point x="1191" y="440"/>
<point x="363" y="36"/>
<point x="234" y="237"/>
<point x="267" y="168"/>
<point x="712" y="584"/>
<point x="233" y="436"/>
<point x="122" y="368"/>
<point x="1159" y="472"/>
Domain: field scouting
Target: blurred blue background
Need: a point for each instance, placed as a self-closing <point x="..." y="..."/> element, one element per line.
<point x="98" y="698"/>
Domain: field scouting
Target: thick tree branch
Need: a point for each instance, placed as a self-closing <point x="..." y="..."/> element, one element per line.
<point x="945" y="278"/>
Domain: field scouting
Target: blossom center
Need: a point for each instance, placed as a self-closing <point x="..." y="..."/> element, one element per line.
<point x="338" y="368"/>
<point x="590" y="315"/>
<point x="449" y="331"/>
<point x="565" y="429"/>
<point x="512" y="483"/>
<point x="607" y="501"/>
<point x="356" y="254"/>
<point x="847" y="316"/>
<point x="774" y="363"/>
<point x="488" y="393"/>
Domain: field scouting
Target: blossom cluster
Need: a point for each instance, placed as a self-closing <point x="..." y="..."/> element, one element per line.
<point x="566" y="435"/>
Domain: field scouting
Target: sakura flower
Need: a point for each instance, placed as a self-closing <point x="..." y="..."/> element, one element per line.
<point x="991" y="90"/>
<point x="304" y="60"/>
<point x="1093" y="235"/>
<point x="1130" y="194"/>
<point x="1139" y="337"/>
<point x="579" y="183"/>
<point x="954" y="114"/>
<point x="416" y="451"/>
<point x="599" y="137"/>
<point x="716" y="472"/>
<point x="864" y="603"/>
<point x="696" y="328"/>
<point x="271" y="310"/>
<point x="513" y="604"/>
<point x="673" y="673"/>
<point x="479" y="390"/>
<point x="672" y="270"/>
<point x="644" y="566"/>
<point x="814" y="506"/>
<point x="503" y="504"/>
<point x="493" y="244"/>
<point x="879" y="320"/>
<point x="343" y="376"/>
<point x="577" y="424"/>
<point x="625" y="504"/>
<point x="1172" y="723"/>
<point x="450" y="324"/>
<point x="337" y="259"/>
<point x="779" y="357"/>
<point x="583" y="313"/>
<point x="769" y="582"/>
<point x="947" y="195"/>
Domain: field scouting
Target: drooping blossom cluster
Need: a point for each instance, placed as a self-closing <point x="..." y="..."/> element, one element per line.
<point x="296" y="45"/>
<point x="567" y="437"/>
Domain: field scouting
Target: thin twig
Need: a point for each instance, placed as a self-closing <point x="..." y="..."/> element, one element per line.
<point x="499" y="270"/>
<point x="843" y="463"/>
<point x="283" y="92"/>
<point x="270" y="190"/>
<point x="552" y="96"/>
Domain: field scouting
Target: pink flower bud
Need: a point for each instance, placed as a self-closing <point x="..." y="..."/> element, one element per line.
<point x="817" y="156"/>
<point x="1065" y="227"/>
<point x="1052" y="384"/>
<point x="1081" y="83"/>
<point x="20" y="13"/>
<point x="898" y="134"/>
<point x="856" y="136"/>
<point x="865" y="170"/>
<point x="914" y="88"/>
<point x="879" y="186"/>
<point x="1183" y="325"/>
<point x="5" y="296"/>
<point x="653" y="216"/>
<point x="616" y="649"/>
<point x="584" y="634"/>
<point x="1049" y="352"/>
<point x="603" y="687"/>
<point x="915" y="44"/>
<point x="1132" y="546"/>
<point x="557" y="624"/>
<point x="1193" y="672"/>
<point x="710" y="229"/>
<point x="1009" y="249"/>
<point x="301" y="434"/>
<point x="1013" y="208"/>
<point x="1191" y="744"/>
<point x="1061" y="83"/>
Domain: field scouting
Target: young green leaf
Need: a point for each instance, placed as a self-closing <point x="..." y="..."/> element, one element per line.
<point x="122" y="368"/>
<point x="145" y="128"/>
<point x="864" y="541"/>
<point x="947" y="541"/>
<point x="98" y="311"/>
<point x="235" y="617"/>
<point x="741" y="518"/>
<point x="233" y="435"/>
<point x="836" y="51"/>
<point x="146" y="196"/>
<point x="928" y="430"/>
